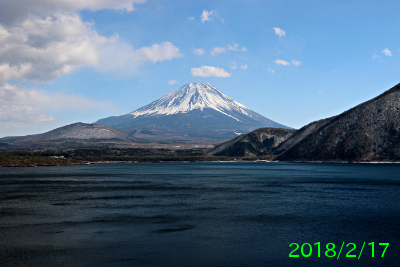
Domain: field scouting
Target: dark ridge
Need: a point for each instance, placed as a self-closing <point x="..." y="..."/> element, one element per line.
<point x="256" y="143"/>
<point x="369" y="131"/>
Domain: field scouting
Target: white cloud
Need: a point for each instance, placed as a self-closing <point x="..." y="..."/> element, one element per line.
<point x="285" y="63"/>
<point x="233" y="47"/>
<point x="233" y="65"/>
<point x="376" y="56"/>
<point x="8" y="72"/>
<point x="171" y="82"/>
<point x="218" y="50"/>
<point x="20" y="107"/>
<point x="122" y="59"/>
<point x="271" y="71"/>
<point x="209" y="71"/>
<point x="23" y="114"/>
<point x="198" y="51"/>
<point x="71" y="5"/>
<point x="282" y="62"/>
<point x="43" y="49"/>
<point x="296" y="63"/>
<point x="47" y="39"/>
<point x="190" y="18"/>
<point x="230" y="47"/>
<point x="18" y="95"/>
<point x="386" y="52"/>
<point x="279" y="32"/>
<point x="41" y="40"/>
<point x="208" y="15"/>
<point x="127" y="5"/>
<point x="159" y="52"/>
<point x="12" y="11"/>
<point x="92" y="4"/>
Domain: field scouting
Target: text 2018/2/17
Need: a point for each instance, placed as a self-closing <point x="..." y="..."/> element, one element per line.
<point x="306" y="250"/>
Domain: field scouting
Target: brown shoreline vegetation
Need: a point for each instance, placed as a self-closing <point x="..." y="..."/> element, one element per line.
<point x="35" y="161"/>
<point x="81" y="156"/>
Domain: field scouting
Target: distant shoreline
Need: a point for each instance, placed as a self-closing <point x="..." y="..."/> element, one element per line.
<point x="71" y="162"/>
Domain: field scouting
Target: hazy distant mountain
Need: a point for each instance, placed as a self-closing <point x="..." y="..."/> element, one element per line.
<point x="77" y="133"/>
<point x="193" y="112"/>
<point x="367" y="132"/>
<point x="256" y="143"/>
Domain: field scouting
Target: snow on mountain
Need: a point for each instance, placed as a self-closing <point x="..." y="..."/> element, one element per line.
<point x="194" y="96"/>
<point x="196" y="112"/>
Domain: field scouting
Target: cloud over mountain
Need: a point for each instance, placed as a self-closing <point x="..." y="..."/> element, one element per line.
<point x="21" y="107"/>
<point x="45" y="48"/>
<point x="50" y="39"/>
<point x="42" y="40"/>
<point x="209" y="71"/>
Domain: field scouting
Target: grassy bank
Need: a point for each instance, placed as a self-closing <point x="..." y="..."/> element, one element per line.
<point x="60" y="157"/>
<point x="34" y="161"/>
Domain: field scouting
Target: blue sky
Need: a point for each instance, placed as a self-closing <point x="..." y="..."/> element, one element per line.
<point x="292" y="61"/>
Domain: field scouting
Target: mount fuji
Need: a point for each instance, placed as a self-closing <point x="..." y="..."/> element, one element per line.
<point x="195" y="112"/>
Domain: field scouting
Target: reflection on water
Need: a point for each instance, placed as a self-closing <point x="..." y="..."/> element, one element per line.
<point x="196" y="214"/>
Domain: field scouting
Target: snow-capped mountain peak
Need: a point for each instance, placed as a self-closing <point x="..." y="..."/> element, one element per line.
<point x="190" y="97"/>
<point x="195" y="112"/>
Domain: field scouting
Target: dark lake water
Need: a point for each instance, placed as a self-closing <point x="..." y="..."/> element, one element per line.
<point x="199" y="214"/>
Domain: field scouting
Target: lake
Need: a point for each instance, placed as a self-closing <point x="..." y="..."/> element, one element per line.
<point x="200" y="214"/>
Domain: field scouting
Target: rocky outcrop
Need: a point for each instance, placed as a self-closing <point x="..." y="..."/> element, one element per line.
<point x="367" y="132"/>
<point x="256" y="143"/>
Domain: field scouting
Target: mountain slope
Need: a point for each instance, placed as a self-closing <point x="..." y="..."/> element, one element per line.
<point x="193" y="112"/>
<point x="300" y="135"/>
<point x="367" y="132"/>
<point x="256" y="143"/>
<point x="78" y="133"/>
